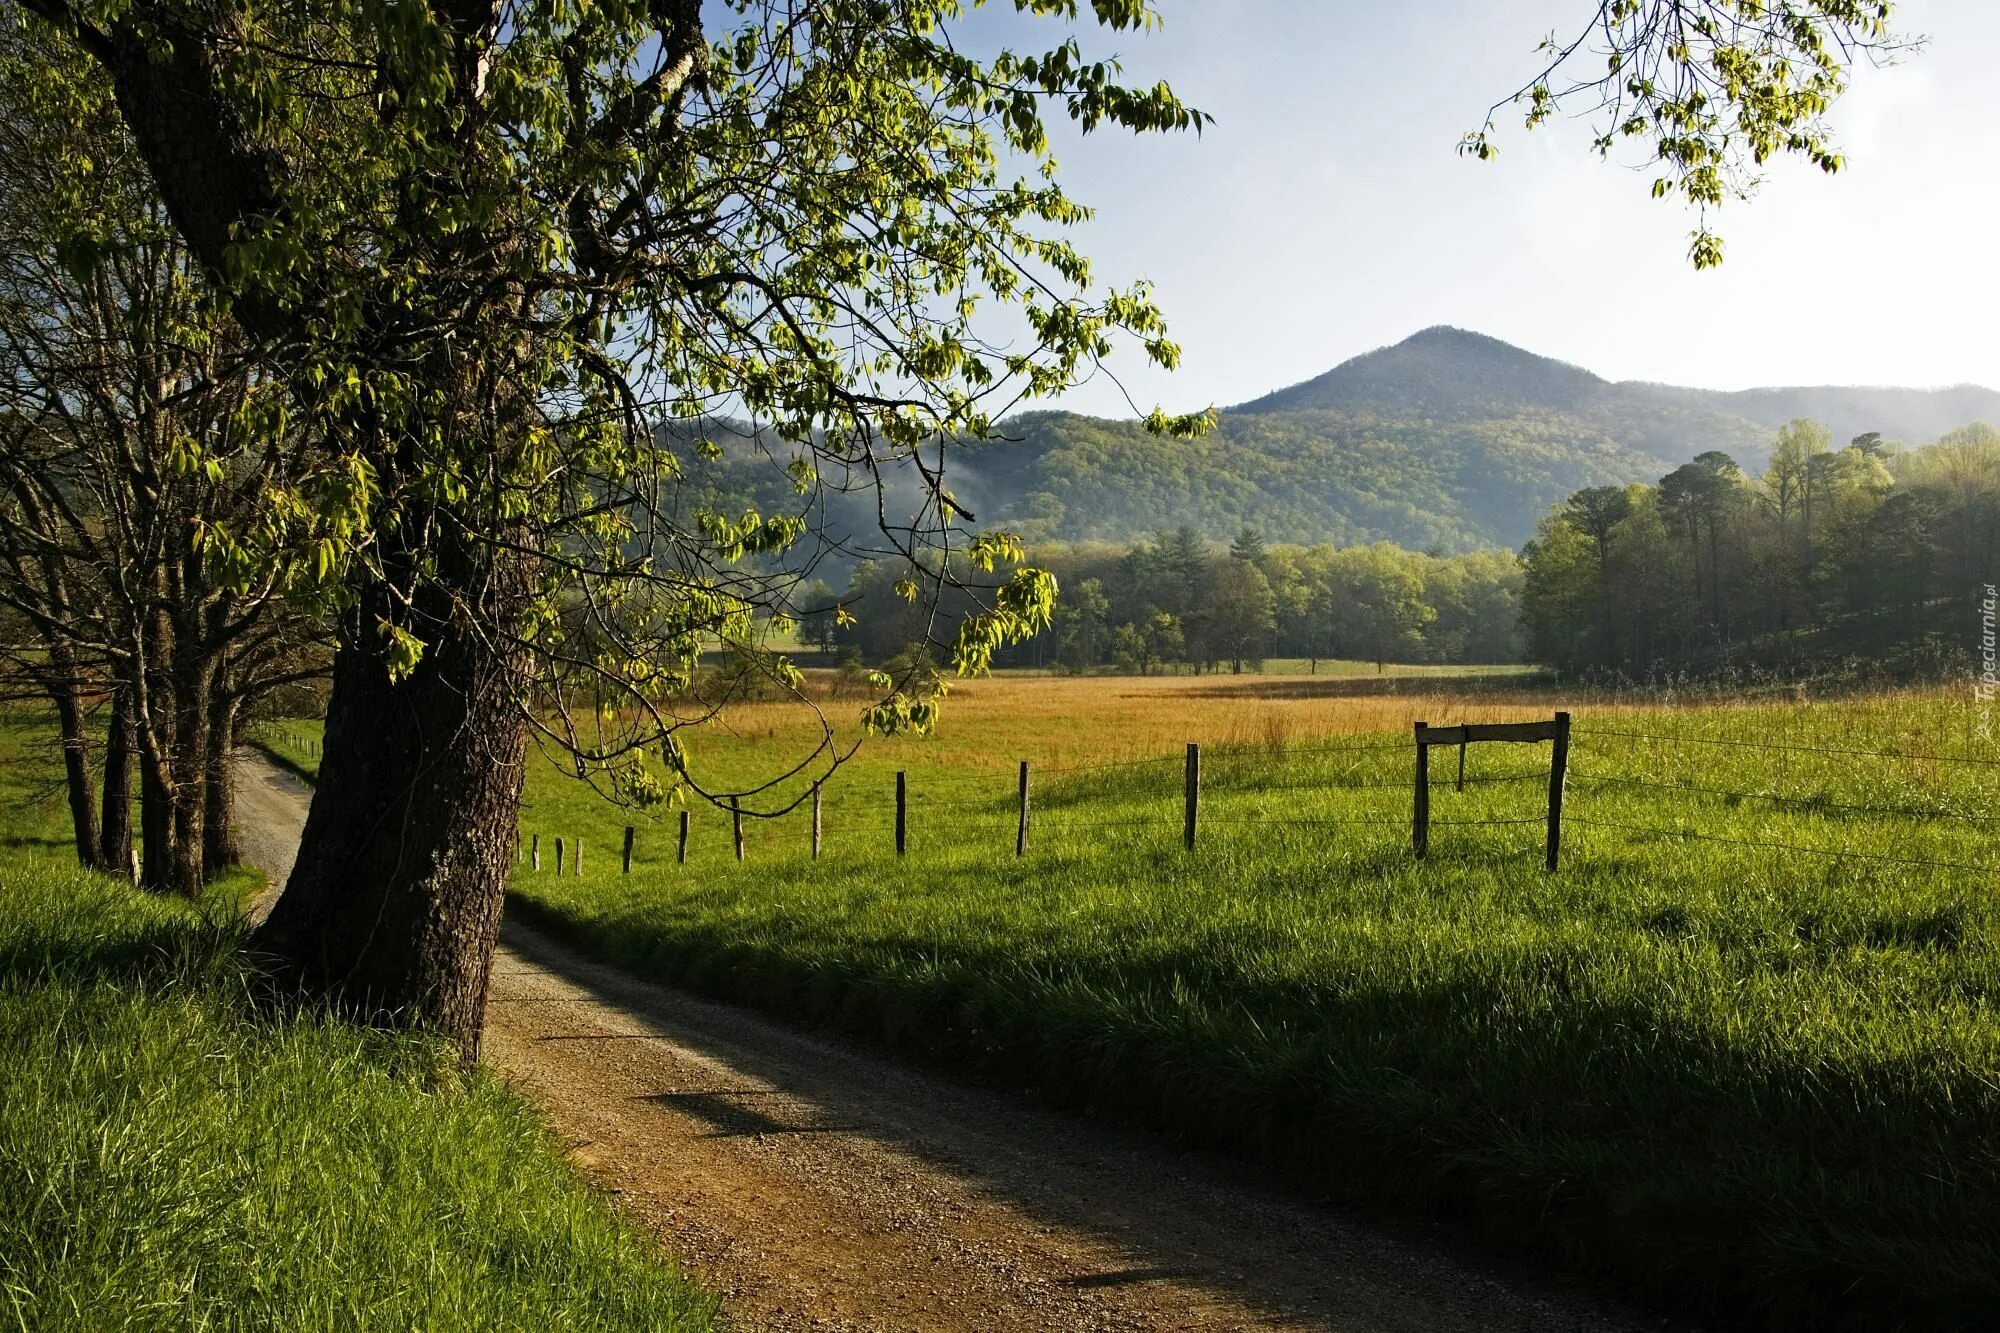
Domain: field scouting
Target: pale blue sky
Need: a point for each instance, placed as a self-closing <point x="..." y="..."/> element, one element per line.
<point x="1327" y="213"/>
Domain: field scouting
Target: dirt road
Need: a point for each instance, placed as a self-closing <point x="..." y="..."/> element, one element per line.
<point x="823" y="1187"/>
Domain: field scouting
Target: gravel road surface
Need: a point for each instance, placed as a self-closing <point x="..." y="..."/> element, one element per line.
<point x="825" y="1187"/>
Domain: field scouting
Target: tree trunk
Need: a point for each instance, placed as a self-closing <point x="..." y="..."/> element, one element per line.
<point x="114" y="827"/>
<point x="188" y="770"/>
<point x="219" y="848"/>
<point x="393" y="909"/>
<point x="156" y="822"/>
<point x="76" y="768"/>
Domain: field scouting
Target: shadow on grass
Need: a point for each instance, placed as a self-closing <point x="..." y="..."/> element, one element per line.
<point x="162" y="955"/>
<point x="20" y="840"/>
<point x="1533" y="688"/>
<point x="1549" y="1117"/>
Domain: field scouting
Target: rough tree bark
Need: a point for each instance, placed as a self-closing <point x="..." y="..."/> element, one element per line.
<point x="76" y="760"/>
<point x="114" y="825"/>
<point x="156" y="823"/>
<point x="393" y="908"/>
<point x="219" y="848"/>
<point x="193" y="686"/>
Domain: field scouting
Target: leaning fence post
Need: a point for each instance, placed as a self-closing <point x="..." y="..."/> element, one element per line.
<point x="1420" y="817"/>
<point x="902" y="812"/>
<point x="628" y="850"/>
<point x="1021" y="833"/>
<point x="559" y="856"/>
<point x="1558" y="772"/>
<point x="1193" y="813"/>
<point x="736" y="824"/>
<point x="535" y="857"/>
<point x="681" y="854"/>
<point x="816" y="824"/>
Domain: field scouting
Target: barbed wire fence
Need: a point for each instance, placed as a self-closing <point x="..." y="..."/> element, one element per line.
<point x="1216" y="795"/>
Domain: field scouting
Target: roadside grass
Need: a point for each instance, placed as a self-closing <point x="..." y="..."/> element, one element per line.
<point x="1731" y="1075"/>
<point x="173" y="1155"/>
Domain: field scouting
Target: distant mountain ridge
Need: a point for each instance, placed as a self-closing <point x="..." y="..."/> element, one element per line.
<point x="1448" y="440"/>
<point x="1451" y="371"/>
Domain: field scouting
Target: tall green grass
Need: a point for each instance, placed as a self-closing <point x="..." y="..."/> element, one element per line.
<point x="174" y="1155"/>
<point x="1725" y="1072"/>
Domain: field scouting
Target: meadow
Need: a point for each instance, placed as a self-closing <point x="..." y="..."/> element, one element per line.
<point x="1740" y="1052"/>
<point x="175" y="1154"/>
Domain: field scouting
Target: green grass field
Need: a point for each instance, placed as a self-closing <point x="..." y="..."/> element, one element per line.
<point x="174" y="1157"/>
<point x="1728" y="1073"/>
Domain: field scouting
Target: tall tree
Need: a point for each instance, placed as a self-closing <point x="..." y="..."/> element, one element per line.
<point x="484" y="245"/>
<point x="113" y="374"/>
<point x="1248" y="546"/>
<point x="627" y="216"/>
<point x="1242" y="613"/>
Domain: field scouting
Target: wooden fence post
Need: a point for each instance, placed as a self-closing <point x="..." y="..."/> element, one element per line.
<point x="816" y="823"/>
<point x="1558" y="772"/>
<point x="1461" y="765"/>
<point x="736" y="825"/>
<point x="576" y="858"/>
<point x="628" y="849"/>
<point x="681" y="855"/>
<point x="1021" y="833"/>
<point x="1193" y="813"/>
<point x="535" y="857"/>
<point x="559" y="856"/>
<point x="902" y="812"/>
<point x="1420" y="818"/>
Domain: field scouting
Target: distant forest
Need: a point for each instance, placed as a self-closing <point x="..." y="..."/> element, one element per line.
<point x="1824" y="552"/>
<point x="1174" y="603"/>
<point x="1374" y="513"/>
<point x="1827" y="552"/>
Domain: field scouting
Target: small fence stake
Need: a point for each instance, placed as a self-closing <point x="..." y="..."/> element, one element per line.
<point x="902" y="812"/>
<point x="1420" y="819"/>
<point x="736" y="824"/>
<point x="559" y="856"/>
<point x="1558" y="772"/>
<point x="816" y="824"/>
<point x="1193" y="815"/>
<point x="628" y="850"/>
<point x="1021" y="833"/>
<point x="576" y="858"/>
<point x="681" y="854"/>
<point x="535" y="858"/>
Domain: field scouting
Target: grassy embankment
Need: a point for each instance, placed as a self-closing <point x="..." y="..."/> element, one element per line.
<point x="174" y="1156"/>
<point x="1727" y="1074"/>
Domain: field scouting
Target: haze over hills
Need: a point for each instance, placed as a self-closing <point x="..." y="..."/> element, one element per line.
<point x="1447" y="440"/>
<point x="1450" y="372"/>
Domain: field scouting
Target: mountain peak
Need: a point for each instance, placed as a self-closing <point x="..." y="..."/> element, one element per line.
<point x="1442" y="371"/>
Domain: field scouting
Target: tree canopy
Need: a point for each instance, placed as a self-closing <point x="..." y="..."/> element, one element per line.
<point x="478" y="251"/>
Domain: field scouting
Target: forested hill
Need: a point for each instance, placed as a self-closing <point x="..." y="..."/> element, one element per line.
<point x="1448" y="440"/>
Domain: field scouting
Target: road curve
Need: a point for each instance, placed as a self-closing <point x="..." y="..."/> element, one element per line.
<point x="824" y="1187"/>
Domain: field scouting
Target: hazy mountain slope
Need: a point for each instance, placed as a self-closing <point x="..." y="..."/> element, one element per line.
<point x="1911" y="416"/>
<point x="1448" y="439"/>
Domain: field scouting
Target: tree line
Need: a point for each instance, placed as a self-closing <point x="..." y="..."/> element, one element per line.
<point x="379" y="308"/>
<point x="1177" y="602"/>
<point x="151" y="651"/>
<point x="1865" y="550"/>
